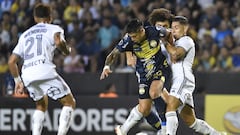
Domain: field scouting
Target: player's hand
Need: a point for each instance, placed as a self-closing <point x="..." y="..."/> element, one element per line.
<point x="131" y="61"/>
<point x="173" y="58"/>
<point x="19" y="88"/>
<point x="106" y="71"/>
<point x="169" y="37"/>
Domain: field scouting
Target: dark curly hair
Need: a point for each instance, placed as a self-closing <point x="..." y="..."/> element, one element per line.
<point x="160" y="14"/>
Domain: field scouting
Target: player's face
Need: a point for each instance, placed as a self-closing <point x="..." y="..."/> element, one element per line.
<point x="178" y="30"/>
<point x="164" y="24"/>
<point x="137" y="36"/>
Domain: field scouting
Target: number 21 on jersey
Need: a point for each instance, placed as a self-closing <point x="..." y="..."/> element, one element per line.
<point x="31" y="43"/>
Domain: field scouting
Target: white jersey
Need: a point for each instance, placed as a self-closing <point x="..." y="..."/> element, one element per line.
<point x="36" y="48"/>
<point x="183" y="68"/>
<point x="183" y="79"/>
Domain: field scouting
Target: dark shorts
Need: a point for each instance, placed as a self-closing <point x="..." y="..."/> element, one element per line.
<point x="144" y="85"/>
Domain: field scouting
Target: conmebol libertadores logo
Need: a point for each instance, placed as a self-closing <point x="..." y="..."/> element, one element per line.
<point x="232" y="120"/>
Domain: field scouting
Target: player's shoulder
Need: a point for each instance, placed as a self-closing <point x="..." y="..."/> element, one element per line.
<point x="186" y="39"/>
<point x="53" y="26"/>
<point x="151" y="32"/>
<point x="124" y="41"/>
<point x="26" y="33"/>
<point x="150" y="28"/>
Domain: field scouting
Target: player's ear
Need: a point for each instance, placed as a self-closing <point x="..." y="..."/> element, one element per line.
<point x="142" y="30"/>
<point x="35" y="19"/>
<point x="50" y="19"/>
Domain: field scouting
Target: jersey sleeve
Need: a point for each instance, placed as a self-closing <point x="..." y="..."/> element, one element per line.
<point x="186" y="43"/>
<point x="62" y="33"/>
<point x="155" y="33"/>
<point x="125" y="44"/>
<point x="57" y="29"/>
<point x="162" y="32"/>
<point x="19" y="50"/>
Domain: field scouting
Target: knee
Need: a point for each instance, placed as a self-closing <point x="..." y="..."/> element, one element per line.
<point x="173" y="103"/>
<point x="73" y="104"/>
<point x="42" y="107"/>
<point x="188" y="120"/>
<point x="187" y="116"/>
<point x="144" y="110"/>
<point x="69" y="101"/>
<point x="156" y="89"/>
<point x="155" y="94"/>
<point x="42" y="104"/>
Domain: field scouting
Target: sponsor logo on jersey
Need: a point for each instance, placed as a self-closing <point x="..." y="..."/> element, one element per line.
<point x="153" y="43"/>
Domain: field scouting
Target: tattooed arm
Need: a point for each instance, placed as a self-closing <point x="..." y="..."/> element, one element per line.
<point x="111" y="58"/>
<point x="177" y="53"/>
<point x="61" y="44"/>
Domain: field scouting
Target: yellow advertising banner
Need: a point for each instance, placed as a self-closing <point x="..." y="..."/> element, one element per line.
<point x="223" y="112"/>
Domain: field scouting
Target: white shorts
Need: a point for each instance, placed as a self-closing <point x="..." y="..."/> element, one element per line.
<point x="55" y="88"/>
<point x="182" y="88"/>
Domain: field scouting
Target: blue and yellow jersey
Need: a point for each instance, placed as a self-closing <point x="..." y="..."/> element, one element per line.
<point x="151" y="63"/>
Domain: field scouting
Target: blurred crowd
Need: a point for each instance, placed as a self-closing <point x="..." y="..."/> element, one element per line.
<point x="93" y="27"/>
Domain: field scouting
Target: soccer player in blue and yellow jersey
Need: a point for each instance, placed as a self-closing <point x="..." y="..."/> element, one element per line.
<point x="151" y="67"/>
<point x="160" y="17"/>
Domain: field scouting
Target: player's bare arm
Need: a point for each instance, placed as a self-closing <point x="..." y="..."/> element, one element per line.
<point x="177" y="53"/>
<point x="111" y="58"/>
<point x="131" y="59"/>
<point x="169" y="37"/>
<point x="61" y="44"/>
<point x="12" y="63"/>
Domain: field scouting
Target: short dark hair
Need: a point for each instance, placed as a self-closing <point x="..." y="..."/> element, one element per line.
<point x="181" y="19"/>
<point x="160" y="14"/>
<point x="134" y="26"/>
<point x="42" y="11"/>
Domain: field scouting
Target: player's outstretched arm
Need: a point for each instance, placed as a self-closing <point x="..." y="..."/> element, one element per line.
<point x="111" y="58"/>
<point x="12" y="63"/>
<point x="61" y="44"/>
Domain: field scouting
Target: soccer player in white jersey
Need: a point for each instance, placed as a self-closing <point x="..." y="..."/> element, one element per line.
<point x="181" y="98"/>
<point x="35" y="47"/>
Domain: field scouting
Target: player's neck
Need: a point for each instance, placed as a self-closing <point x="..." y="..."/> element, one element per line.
<point x="42" y="20"/>
<point x="181" y="36"/>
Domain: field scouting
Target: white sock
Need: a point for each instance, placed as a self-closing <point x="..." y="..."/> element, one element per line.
<point x="132" y="119"/>
<point x="65" y="120"/>
<point x="37" y="122"/>
<point x="202" y="127"/>
<point x="172" y="123"/>
<point x="163" y="130"/>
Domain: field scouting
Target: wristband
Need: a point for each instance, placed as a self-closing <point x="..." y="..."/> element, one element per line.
<point x="70" y="49"/>
<point x="106" y="67"/>
<point x="17" y="79"/>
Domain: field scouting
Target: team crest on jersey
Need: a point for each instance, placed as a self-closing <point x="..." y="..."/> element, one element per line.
<point x="153" y="43"/>
<point x="141" y="91"/>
